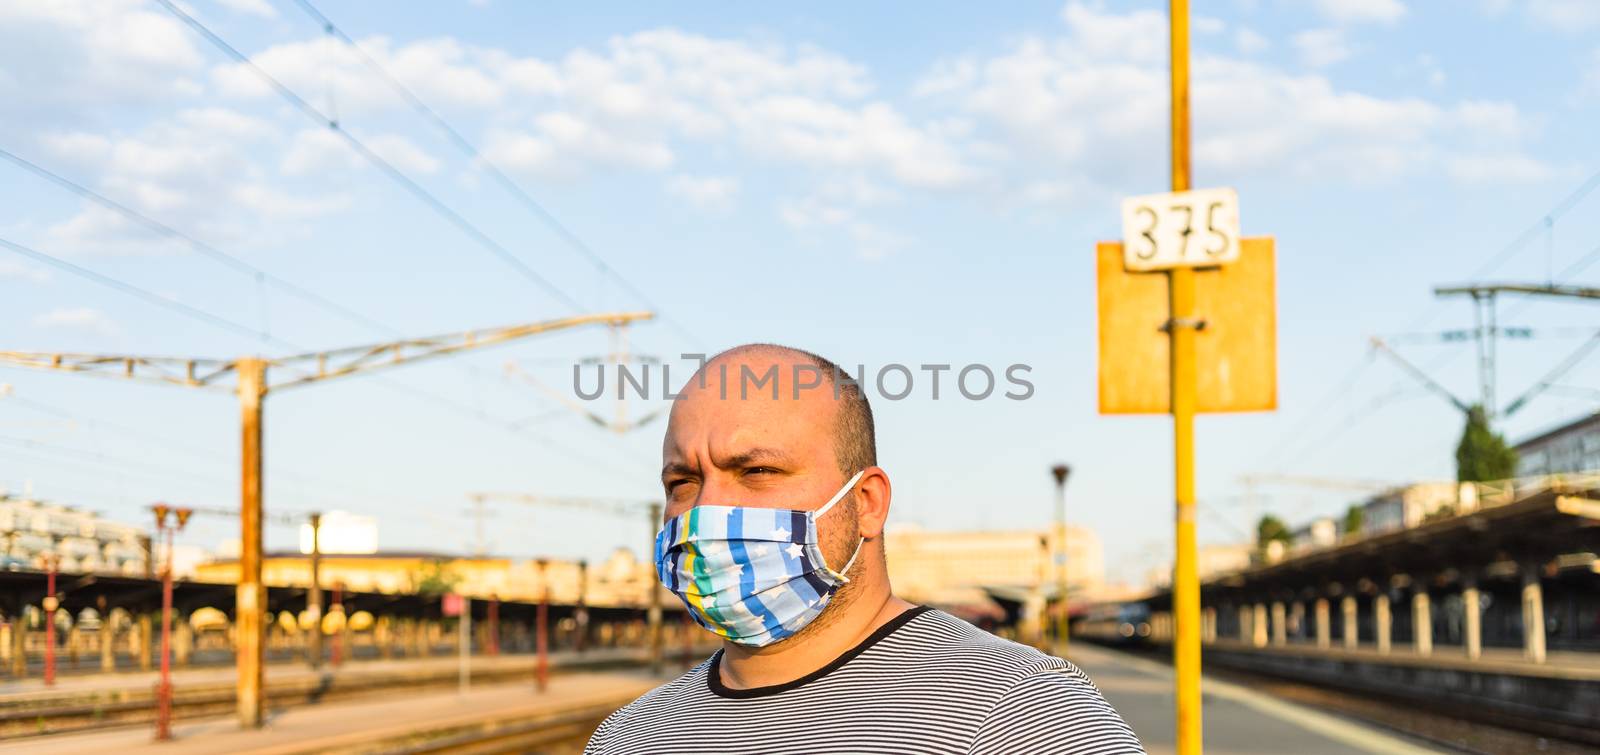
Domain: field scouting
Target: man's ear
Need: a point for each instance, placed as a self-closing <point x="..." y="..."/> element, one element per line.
<point x="872" y="501"/>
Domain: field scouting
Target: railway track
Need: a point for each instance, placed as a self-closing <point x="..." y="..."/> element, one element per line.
<point x="555" y="734"/>
<point x="1457" y="730"/>
<point x="44" y="716"/>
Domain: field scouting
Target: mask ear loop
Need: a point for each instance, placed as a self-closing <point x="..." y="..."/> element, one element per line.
<point x="839" y="495"/>
<point x="859" y="542"/>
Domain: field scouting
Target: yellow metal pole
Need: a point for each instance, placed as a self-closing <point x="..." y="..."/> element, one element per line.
<point x="1185" y="579"/>
<point x="251" y="595"/>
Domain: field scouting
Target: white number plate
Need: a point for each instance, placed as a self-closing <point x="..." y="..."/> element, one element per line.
<point x="1182" y="229"/>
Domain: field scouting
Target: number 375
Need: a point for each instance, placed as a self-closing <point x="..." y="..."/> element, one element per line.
<point x="1183" y="229"/>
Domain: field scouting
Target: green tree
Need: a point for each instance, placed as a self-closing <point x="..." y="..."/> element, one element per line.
<point x="435" y="578"/>
<point x="1352" y="519"/>
<point x="1483" y="454"/>
<point x="1271" y="528"/>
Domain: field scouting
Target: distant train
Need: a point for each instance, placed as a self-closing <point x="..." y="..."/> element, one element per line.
<point x="1116" y="624"/>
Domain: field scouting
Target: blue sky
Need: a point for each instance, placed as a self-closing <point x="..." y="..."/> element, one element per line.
<point x="877" y="184"/>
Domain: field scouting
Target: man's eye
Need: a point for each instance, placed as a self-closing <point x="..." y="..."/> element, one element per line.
<point x="760" y="470"/>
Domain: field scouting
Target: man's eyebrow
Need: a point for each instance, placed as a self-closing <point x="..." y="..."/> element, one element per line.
<point x="677" y="468"/>
<point x="754" y="455"/>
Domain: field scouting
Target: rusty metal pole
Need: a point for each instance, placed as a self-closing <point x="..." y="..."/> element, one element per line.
<point x="543" y="627"/>
<point x="1060" y="472"/>
<point x="580" y="615"/>
<point x="314" y="594"/>
<point x="494" y="626"/>
<point x="250" y="601"/>
<point x="164" y="687"/>
<point x="688" y="641"/>
<point x="655" y="592"/>
<point x="338" y="633"/>
<point x="50" y="621"/>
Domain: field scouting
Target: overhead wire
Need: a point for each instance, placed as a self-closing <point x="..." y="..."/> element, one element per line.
<point x="208" y="250"/>
<point x="231" y="261"/>
<point x="455" y="137"/>
<point x="234" y="263"/>
<point x="384" y="166"/>
<point x="296" y="478"/>
<point x="135" y="291"/>
<point x="236" y="327"/>
<point x="1511" y="249"/>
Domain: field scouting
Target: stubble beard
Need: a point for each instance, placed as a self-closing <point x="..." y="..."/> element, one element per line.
<point x="839" y="547"/>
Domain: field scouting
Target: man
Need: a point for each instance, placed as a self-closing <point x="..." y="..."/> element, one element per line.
<point x="774" y="540"/>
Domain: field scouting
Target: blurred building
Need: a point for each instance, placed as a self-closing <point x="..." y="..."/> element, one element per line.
<point x="1407" y="507"/>
<point x="963" y="568"/>
<point x="1319" y="533"/>
<point x="85" y="543"/>
<point x="342" y="532"/>
<point x="1573" y="447"/>
<point x="620" y="580"/>
<point x="1211" y="561"/>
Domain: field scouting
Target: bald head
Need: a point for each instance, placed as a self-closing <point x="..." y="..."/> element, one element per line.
<point x="777" y="401"/>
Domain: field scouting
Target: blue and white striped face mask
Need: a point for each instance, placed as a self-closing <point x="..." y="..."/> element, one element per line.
<point x="752" y="575"/>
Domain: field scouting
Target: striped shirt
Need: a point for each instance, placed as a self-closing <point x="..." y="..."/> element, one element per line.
<point x="926" y="682"/>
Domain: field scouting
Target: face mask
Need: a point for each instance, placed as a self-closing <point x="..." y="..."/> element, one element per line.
<point x="752" y="575"/>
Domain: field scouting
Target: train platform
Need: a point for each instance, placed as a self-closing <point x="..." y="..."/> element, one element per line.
<point x="422" y="722"/>
<point x="1237" y="720"/>
<point x="1574" y="665"/>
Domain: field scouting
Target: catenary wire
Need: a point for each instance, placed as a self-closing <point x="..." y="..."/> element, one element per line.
<point x="230" y="325"/>
<point x="428" y="198"/>
<point x="455" y="137"/>
<point x="238" y="265"/>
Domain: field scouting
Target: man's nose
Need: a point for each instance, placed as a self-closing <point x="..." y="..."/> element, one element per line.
<point x="718" y="489"/>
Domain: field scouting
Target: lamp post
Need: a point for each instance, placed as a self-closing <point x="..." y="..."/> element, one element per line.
<point x="1060" y="472"/>
<point x="164" y="687"/>
<point x="541" y="631"/>
<point x="338" y="630"/>
<point x="494" y="626"/>
<point x="51" y="561"/>
<point x="314" y="594"/>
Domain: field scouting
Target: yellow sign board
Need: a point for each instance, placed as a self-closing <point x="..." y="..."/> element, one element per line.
<point x="1236" y="349"/>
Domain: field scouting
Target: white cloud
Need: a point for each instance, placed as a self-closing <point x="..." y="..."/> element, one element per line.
<point x="811" y="212"/>
<point x="1320" y="48"/>
<point x="201" y="170"/>
<point x="1590" y="87"/>
<point x="634" y="103"/>
<point x="1361" y="11"/>
<point x="1570" y="16"/>
<point x="946" y="76"/>
<point x="1564" y="15"/>
<point x="63" y="58"/>
<point x="440" y="71"/>
<point x="874" y="242"/>
<point x="282" y="204"/>
<point x="11" y="269"/>
<point x="1430" y="69"/>
<point x="80" y="319"/>
<point x="317" y="150"/>
<point x="1494" y="122"/>
<point x="706" y="192"/>
<point x="1248" y="42"/>
<point x="1076" y="106"/>
<point x="258" y="8"/>
<point x="1496" y="169"/>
